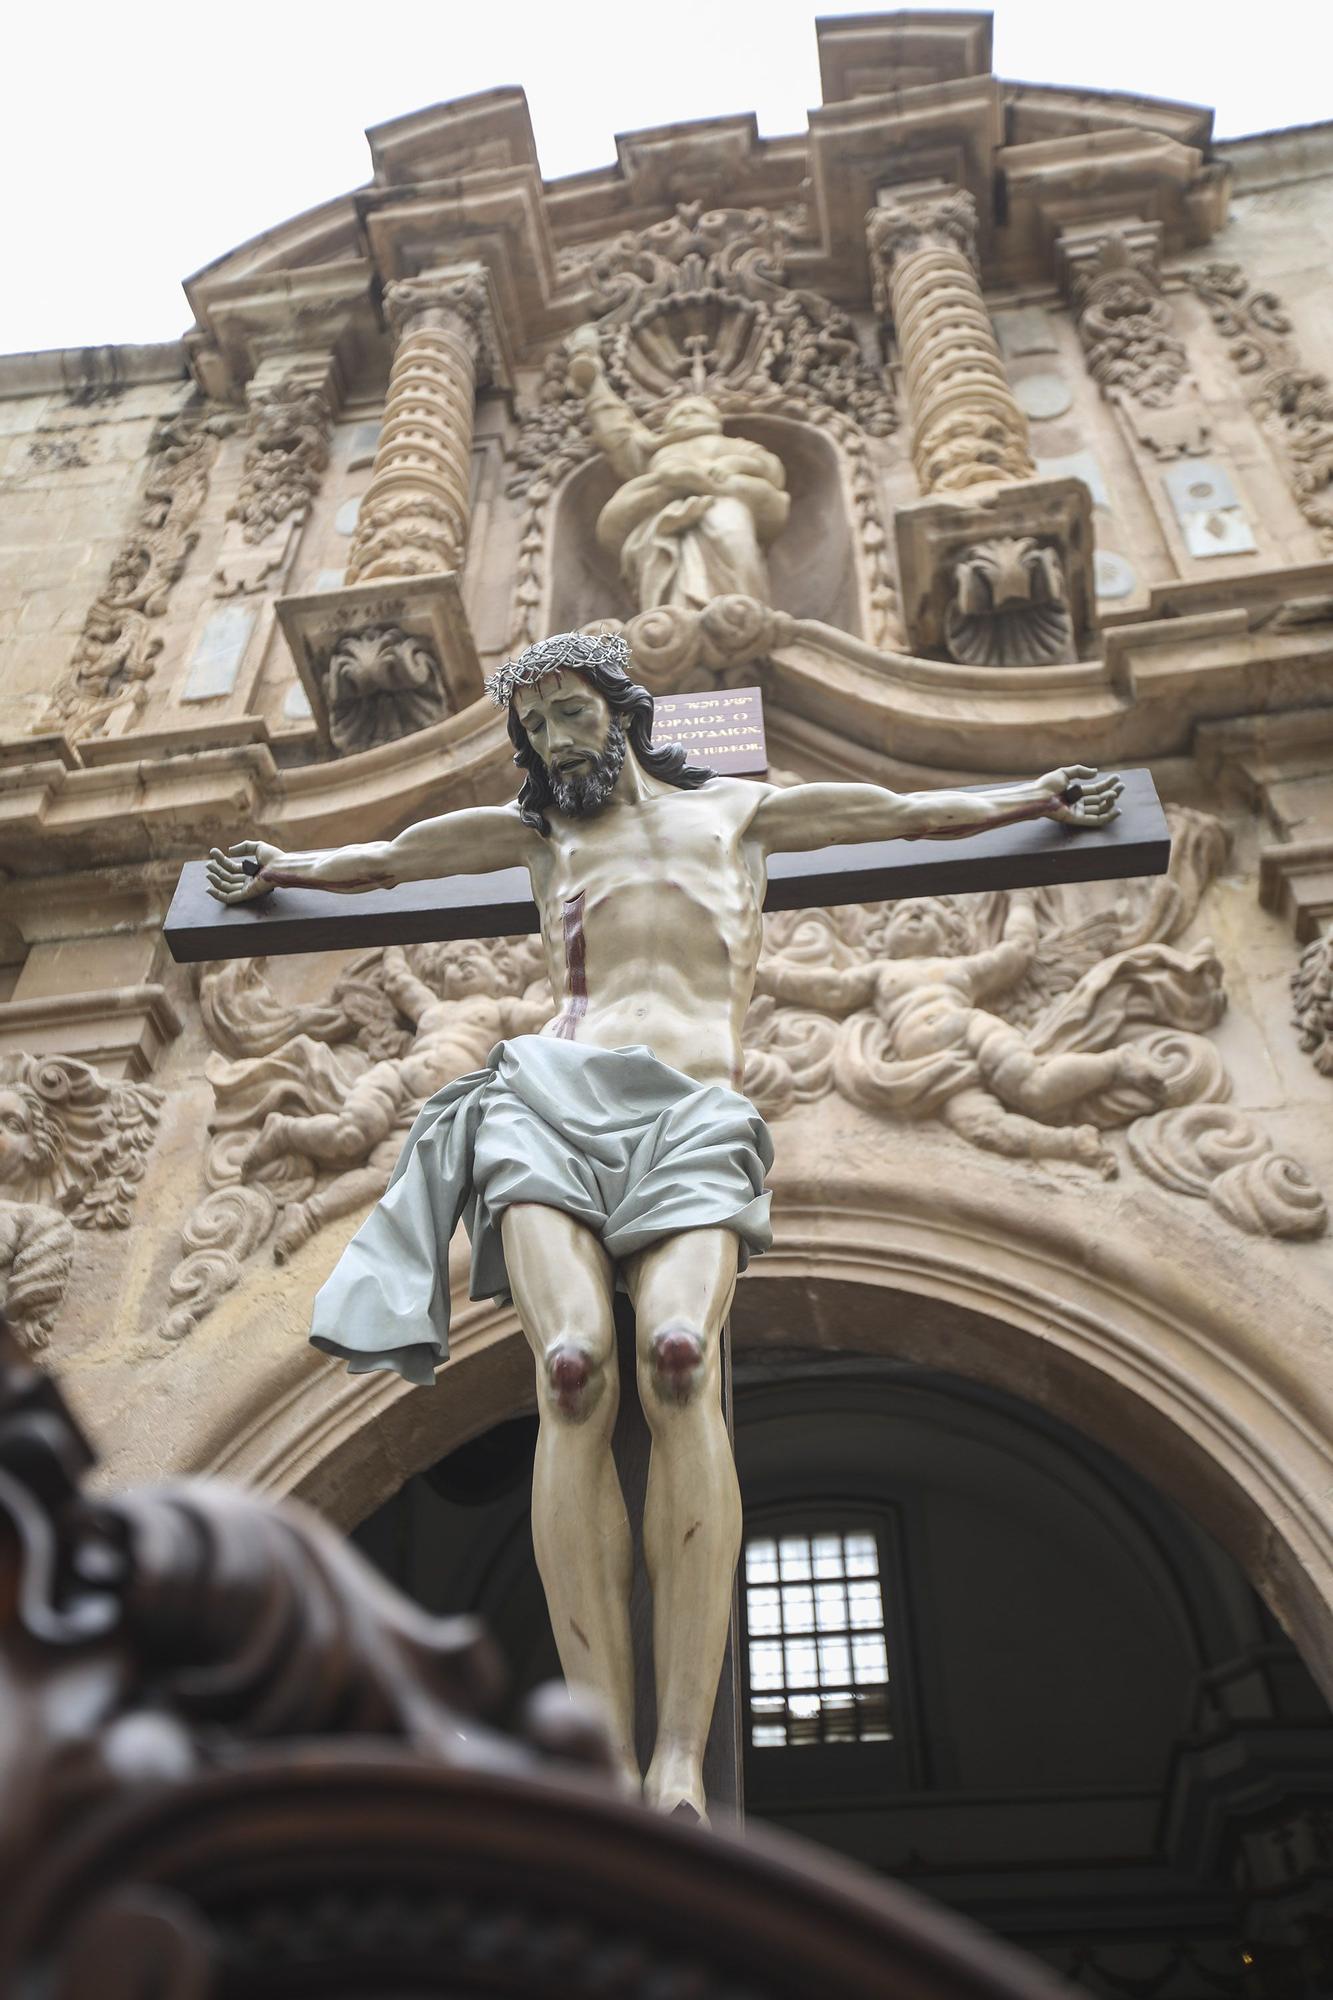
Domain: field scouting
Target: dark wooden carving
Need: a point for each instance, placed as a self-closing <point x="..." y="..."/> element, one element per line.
<point x="235" y="1763"/>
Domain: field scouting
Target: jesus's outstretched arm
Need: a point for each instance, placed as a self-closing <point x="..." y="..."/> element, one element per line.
<point x="469" y="842"/>
<point x="823" y="815"/>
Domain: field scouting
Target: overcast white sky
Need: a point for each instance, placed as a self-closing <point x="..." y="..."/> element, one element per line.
<point x="141" y="139"/>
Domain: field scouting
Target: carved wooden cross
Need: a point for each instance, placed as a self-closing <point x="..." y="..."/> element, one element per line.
<point x="724" y="731"/>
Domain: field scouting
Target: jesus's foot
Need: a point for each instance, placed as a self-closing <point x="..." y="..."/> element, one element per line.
<point x="675" y="1785"/>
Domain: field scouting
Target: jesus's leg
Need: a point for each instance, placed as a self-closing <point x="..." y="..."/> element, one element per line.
<point x="562" y="1281"/>
<point x="681" y="1291"/>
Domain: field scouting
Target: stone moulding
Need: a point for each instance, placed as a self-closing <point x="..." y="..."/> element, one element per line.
<point x="121" y="1029"/>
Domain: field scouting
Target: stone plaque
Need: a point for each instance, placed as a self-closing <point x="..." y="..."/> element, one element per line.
<point x="724" y="730"/>
<point x="1208" y="509"/>
<point x="1027" y="330"/>
<point x="215" y="663"/>
<point x="1114" y="576"/>
<point x="1078" y="465"/>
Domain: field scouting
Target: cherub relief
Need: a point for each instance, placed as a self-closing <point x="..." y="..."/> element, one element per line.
<point x="72" y="1149"/>
<point x="920" y="1041"/>
<point x="360" y="1135"/>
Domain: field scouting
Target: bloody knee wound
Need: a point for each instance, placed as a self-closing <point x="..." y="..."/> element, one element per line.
<point x="570" y="1372"/>
<point x="677" y="1355"/>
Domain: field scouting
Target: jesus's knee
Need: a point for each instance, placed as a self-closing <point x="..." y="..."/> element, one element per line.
<point x="575" y="1382"/>
<point x="677" y="1358"/>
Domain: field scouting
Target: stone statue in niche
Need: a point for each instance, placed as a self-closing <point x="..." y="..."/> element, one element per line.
<point x="382" y="683"/>
<point x="613" y="1146"/>
<point x="1009" y="606"/>
<point x="72" y="1149"/>
<point x="696" y="509"/>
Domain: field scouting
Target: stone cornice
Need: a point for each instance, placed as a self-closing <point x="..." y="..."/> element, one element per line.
<point x="76" y="370"/>
<point x="1159" y="683"/>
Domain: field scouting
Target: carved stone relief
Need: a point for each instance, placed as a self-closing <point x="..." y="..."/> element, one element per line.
<point x="312" y="1104"/>
<point x="1312" y="990"/>
<point x="72" y="1149"/>
<point x="1294" y="402"/>
<point x="117" y="652"/>
<point x="677" y="649"/>
<point x="285" y="459"/>
<point x="698" y="303"/>
<point x="1009" y="605"/>
<point x="382" y="683"/>
<point x="1132" y="351"/>
<point x="1030" y="1025"/>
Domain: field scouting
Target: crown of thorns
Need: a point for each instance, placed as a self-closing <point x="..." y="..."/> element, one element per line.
<point x="565" y="650"/>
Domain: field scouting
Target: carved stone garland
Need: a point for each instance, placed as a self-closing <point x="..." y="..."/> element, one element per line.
<point x="413" y="519"/>
<point x="1126" y="328"/>
<point x="1295" y="403"/>
<point x="117" y="652"/>
<point x="699" y="300"/>
<point x="290" y="426"/>
<point x="1312" y="990"/>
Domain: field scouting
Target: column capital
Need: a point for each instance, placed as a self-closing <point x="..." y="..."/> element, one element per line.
<point x="457" y="301"/>
<point x="908" y="219"/>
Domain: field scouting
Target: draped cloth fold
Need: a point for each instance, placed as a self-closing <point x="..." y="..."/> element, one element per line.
<point x="632" y="1148"/>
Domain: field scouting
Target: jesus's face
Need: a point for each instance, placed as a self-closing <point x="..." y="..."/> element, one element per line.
<point x="573" y="731"/>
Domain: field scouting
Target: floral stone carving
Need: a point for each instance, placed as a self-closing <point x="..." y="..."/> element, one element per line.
<point x="1131" y="348"/>
<point x="285" y="459"/>
<point x="1009" y="605"/>
<point x="73" y="1144"/>
<point x="1295" y="403"/>
<point x="118" y="650"/>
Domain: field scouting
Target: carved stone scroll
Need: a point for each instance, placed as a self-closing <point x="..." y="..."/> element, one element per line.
<point x="1294" y="402"/>
<point x="967" y="428"/>
<point x="413" y="519"/>
<point x="382" y="683"/>
<point x="105" y="688"/>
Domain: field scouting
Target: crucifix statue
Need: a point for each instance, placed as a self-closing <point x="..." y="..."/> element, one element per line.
<point x="614" y="1144"/>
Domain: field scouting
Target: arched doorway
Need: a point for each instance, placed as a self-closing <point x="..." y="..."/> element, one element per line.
<point x="1087" y="1731"/>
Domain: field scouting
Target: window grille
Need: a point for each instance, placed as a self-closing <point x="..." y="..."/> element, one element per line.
<point x="814" y="1613"/>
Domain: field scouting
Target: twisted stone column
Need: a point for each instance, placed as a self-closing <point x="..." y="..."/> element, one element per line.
<point x="967" y="429"/>
<point x="413" y="519"/>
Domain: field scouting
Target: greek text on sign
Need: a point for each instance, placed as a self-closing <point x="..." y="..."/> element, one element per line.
<point x="724" y="731"/>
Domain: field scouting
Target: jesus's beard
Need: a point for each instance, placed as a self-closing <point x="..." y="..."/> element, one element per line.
<point x="586" y="791"/>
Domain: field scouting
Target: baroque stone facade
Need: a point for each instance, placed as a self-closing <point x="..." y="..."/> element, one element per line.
<point x="1047" y="480"/>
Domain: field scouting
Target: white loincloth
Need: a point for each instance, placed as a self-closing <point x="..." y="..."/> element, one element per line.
<point x="615" y="1138"/>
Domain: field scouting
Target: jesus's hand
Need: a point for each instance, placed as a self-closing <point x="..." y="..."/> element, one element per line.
<point x="1087" y="800"/>
<point x="234" y="877"/>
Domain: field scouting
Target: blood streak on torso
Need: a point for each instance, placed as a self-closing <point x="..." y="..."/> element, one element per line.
<point x="576" y="972"/>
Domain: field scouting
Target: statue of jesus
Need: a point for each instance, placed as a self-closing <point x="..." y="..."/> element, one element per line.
<point x="613" y="1145"/>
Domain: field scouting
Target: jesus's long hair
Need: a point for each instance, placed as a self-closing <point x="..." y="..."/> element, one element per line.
<point x="631" y="706"/>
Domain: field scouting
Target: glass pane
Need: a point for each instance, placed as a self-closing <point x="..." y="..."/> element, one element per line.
<point x="828" y="1555"/>
<point x="802" y="1670"/>
<point x="835" y="1662"/>
<point x="798" y="1609"/>
<point x="762" y="1610"/>
<point x="765" y="1665"/>
<point x="794" y="1554"/>
<point x="865" y="1606"/>
<point x="761" y="1562"/>
<point x="862" y="1557"/>
<point x="868" y="1659"/>
<point x="830" y="1607"/>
